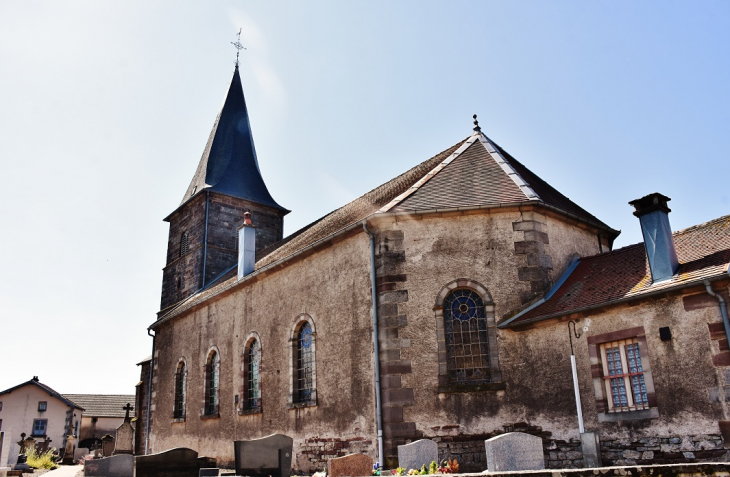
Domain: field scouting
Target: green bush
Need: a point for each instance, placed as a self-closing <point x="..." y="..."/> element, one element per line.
<point x="41" y="461"/>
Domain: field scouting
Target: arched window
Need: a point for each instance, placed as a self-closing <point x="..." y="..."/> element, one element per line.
<point x="467" y="343"/>
<point x="212" y="375"/>
<point x="304" y="376"/>
<point x="184" y="244"/>
<point x="467" y="350"/>
<point x="251" y="370"/>
<point x="179" y="404"/>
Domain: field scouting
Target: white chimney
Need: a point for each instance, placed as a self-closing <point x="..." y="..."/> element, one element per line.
<point x="653" y="214"/>
<point x="246" y="246"/>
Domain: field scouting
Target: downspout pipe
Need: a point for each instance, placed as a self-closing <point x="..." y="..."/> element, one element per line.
<point x="376" y="345"/>
<point x="149" y="396"/>
<point x="205" y="238"/>
<point x="723" y="308"/>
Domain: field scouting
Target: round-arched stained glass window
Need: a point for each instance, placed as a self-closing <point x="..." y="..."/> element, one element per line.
<point x="467" y="342"/>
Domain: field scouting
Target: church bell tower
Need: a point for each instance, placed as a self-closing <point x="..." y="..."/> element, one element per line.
<point x="202" y="244"/>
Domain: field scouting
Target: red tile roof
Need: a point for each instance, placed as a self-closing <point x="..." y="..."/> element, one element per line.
<point x="703" y="252"/>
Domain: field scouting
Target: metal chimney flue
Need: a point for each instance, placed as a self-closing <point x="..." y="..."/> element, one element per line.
<point x="653" y="214"/>
<point x="246" y="246"/>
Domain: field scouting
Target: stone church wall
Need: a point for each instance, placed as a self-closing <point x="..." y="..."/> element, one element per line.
<point x="508" y="252"/>
<point x="333" y="288"/>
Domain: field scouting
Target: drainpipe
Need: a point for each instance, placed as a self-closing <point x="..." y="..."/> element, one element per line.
<point x="723" y="307"/>
<point x="205" y="238"/>
<point x="149" y="396"/>
<point x="376" y="345"/>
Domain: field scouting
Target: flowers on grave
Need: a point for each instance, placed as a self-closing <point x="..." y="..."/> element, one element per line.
<point x="320" y="474"/>
<point x="449" y="467"/>
<point x="376" y="468"/>
<point x="399" y="471"/>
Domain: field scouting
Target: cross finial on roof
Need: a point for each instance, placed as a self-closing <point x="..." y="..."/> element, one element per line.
<point x="476" y="124"/>
<point x="238" y="46"/>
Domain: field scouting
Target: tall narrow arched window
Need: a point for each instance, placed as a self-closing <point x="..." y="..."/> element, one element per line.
<point x="303" y="368"/>
<point x="184" y="244"/>
<point x="179" y="404"/>
<point x="212" y="375"/>
<point x="251" y="370"/>
<point x="467" y="342"/>
<point x="305" y="364"/>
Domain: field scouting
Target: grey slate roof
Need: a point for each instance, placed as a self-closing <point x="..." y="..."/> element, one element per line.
<point x="102" y="405"/>
<point x="229" y="164"/>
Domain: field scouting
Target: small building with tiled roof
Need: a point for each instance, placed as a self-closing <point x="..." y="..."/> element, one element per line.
<point x="432" y="307"/>
<point x="103" y="414"/>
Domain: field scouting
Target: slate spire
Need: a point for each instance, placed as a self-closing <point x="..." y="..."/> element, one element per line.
<point x="229" y="164"/>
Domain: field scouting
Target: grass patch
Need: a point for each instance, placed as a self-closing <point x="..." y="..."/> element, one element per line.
<point x="41" y="461"/>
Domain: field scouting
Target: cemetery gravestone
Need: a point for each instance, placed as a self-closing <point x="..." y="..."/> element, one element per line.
<point x="514" y="451"/>
<point x="22" y="463"/>
<point x="68" y="453"/>
<point x="417" y="454"/>
<point x="4" y="448"/>
<point x="352" y="465"/>
<point x="179" y="462"/>
<point x="114" y="466"/>
<point x="107" y="446"/>
<point x="210" y="472"/>
<point x="125" y="435"/>
<point x="269" y="455"/>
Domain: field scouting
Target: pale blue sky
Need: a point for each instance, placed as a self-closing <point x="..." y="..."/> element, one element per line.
<point x="105" y="108"/>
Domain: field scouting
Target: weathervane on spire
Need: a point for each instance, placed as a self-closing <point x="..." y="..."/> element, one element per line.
<point x="238" y="46"/>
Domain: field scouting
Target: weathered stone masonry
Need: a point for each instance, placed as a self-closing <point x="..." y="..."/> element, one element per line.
<point x="537" y="264"/>
<point x="392" y="291"/>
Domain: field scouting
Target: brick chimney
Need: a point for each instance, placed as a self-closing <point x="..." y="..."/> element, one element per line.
<point x="246" y="246"/>
<point x="653" y="214"/>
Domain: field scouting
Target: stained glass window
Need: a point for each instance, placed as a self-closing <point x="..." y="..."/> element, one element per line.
<point x="623" y="374"/>
<point x="253" y="366"/>
<point x="467" y="341"/>
<point x="179" y="406"/>
<point x="304" y="382"/>
<point x="212" y="371"/>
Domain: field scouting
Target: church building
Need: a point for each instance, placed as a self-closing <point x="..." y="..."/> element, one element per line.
<point x="444" y="304"/>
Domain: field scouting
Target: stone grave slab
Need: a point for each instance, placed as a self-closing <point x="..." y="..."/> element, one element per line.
<point x="178" y="462"/>
<point x="352" y="465"/>
<point x="514" y="451"/>
<point x="417" y="454"/>
<point x="210" y="472"/>
<point x="270" y="455"/>
<point x="4" y="448"/>
<point x="114" y="466"/>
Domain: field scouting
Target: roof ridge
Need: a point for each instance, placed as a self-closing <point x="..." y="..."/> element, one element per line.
<point x="508" y="168"/>
<point x="698" y="226"/>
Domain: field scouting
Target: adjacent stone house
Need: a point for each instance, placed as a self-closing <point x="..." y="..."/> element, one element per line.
<point x="434" y="306"/>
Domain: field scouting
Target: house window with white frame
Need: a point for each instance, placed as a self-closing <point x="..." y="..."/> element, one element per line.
<point x="623" y="376"/>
